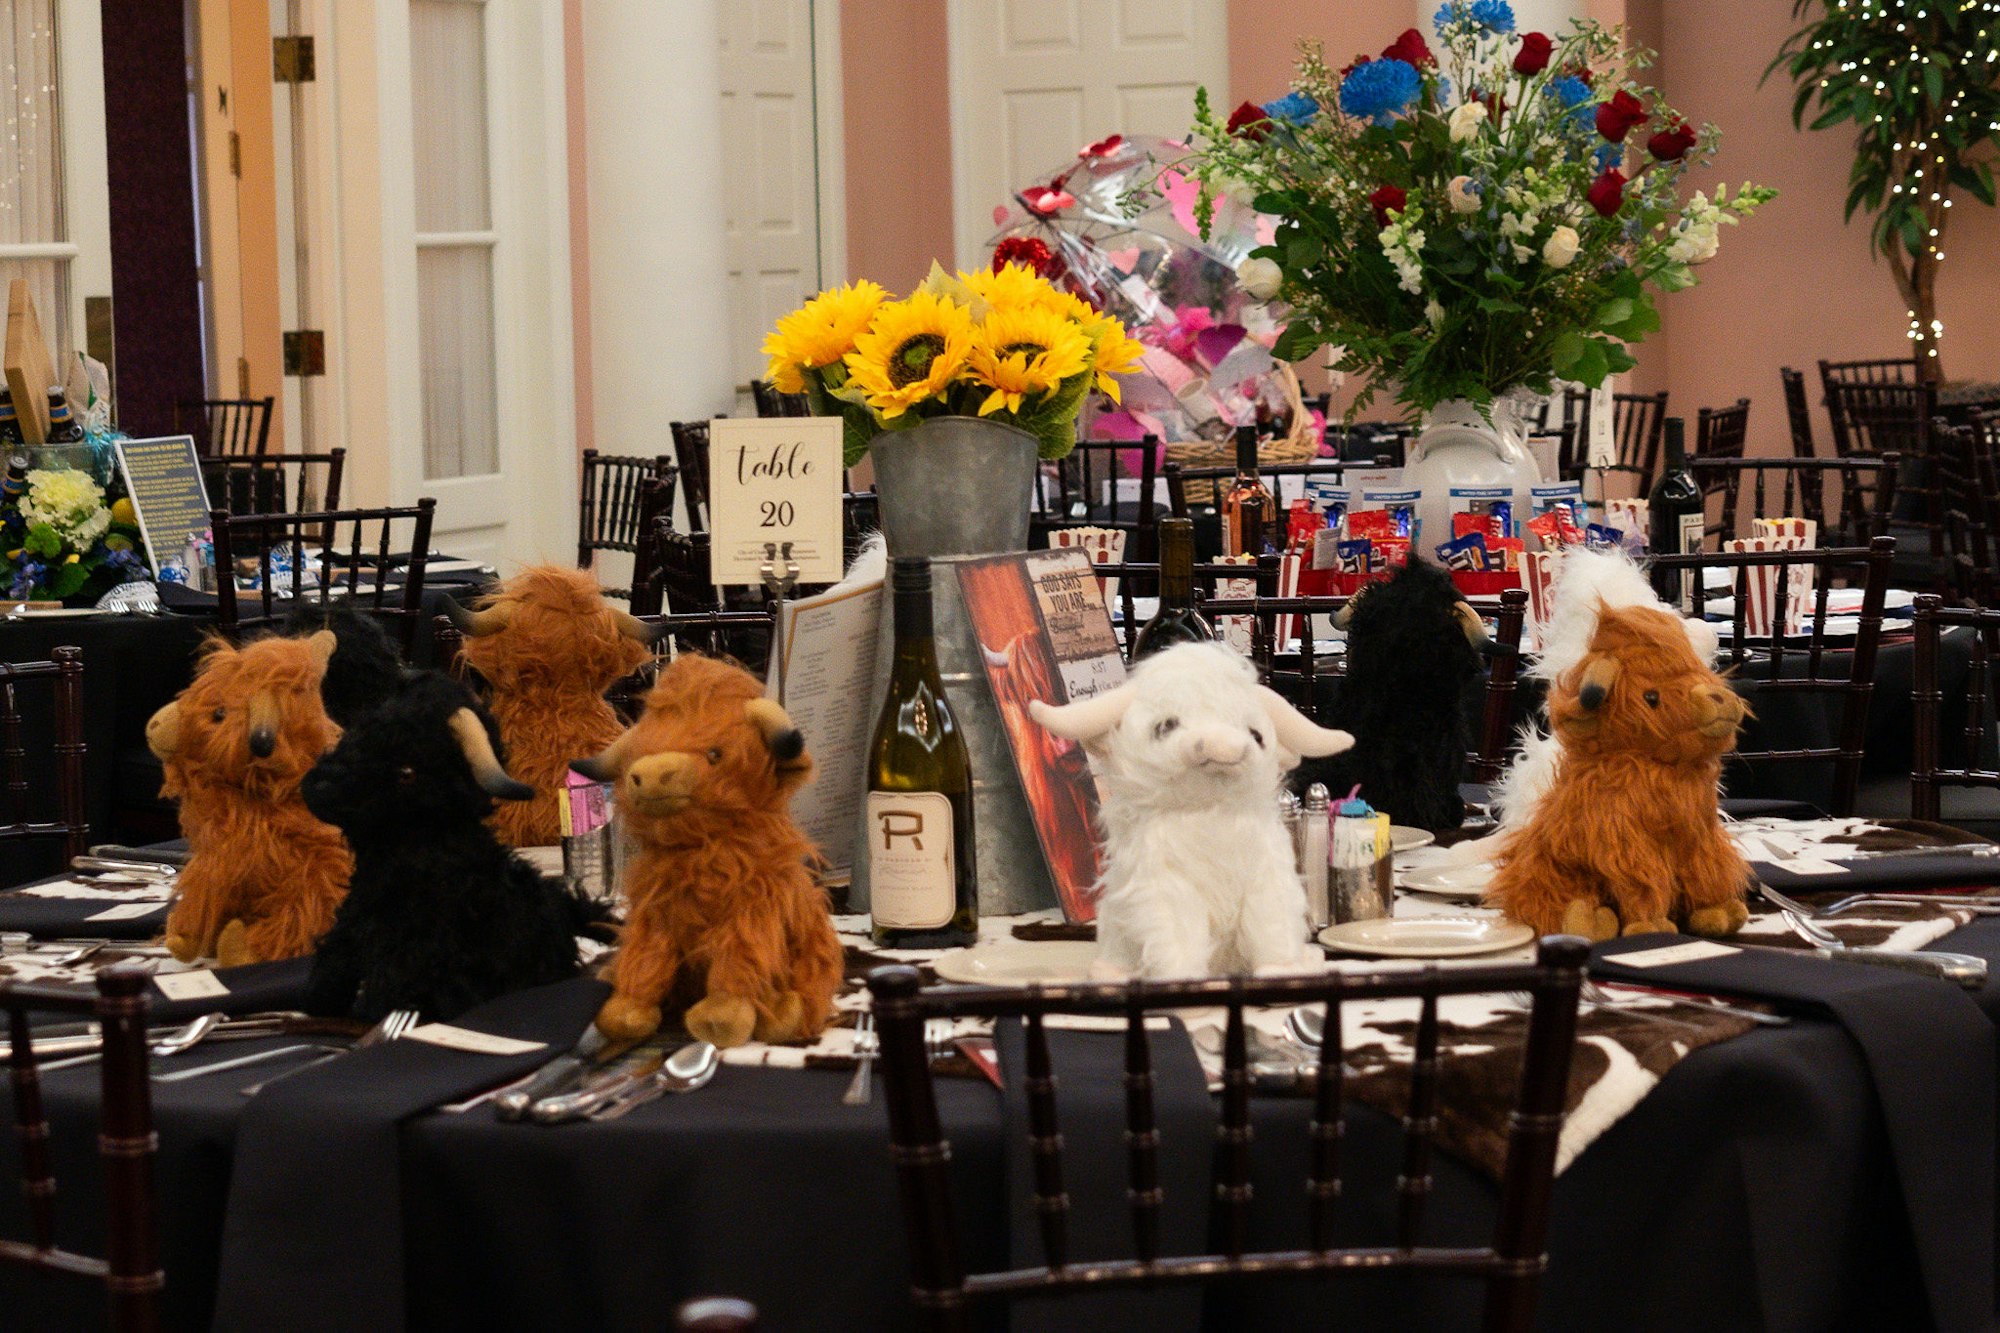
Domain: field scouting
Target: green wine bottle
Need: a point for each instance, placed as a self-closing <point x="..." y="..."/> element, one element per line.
<point x="923" y="883"/>
<point x="1177" y="620"/>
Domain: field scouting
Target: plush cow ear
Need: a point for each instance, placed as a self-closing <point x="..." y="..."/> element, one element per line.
<point x="1298" y="734"/>
<point x="1086" y="719"/>
<point x="323" y="644"/>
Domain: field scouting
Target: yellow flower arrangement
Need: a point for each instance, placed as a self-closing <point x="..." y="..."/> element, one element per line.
<point x="820" y="333"/>
<point x="1005" y="344"/>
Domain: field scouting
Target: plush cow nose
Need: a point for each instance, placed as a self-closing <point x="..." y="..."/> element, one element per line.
<point x="661" y="774"/>
<point x="1715" y="707"/>
<point x="1220" y="749"/>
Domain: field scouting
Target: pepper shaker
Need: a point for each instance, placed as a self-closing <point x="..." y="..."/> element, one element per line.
<point x="1314" y="817"/>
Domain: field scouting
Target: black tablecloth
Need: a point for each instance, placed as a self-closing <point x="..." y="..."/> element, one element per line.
<point x="1753" y="1188"/>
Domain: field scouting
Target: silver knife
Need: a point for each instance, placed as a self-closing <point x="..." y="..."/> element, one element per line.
<point x="600" y="1090"/>
<point x="552" y="1078"/>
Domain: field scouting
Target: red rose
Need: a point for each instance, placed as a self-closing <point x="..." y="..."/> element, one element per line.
<point x="1389" y="199"/>
<point x="1607" y="192"/>
<point x="1672" y="143"/>
<point x="1028" y="251"/>
<point x="1249" y="122"/>
<point x="1410" y="47"/>
<point x="1360" y="59"/>
<point x="1582" y="71"/>
<point x="1496" y="105"/>
<point x="1533" y="57"/>
<point x="1616" y="117"/>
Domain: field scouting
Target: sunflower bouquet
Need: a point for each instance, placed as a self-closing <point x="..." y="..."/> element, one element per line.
<point x="1005" y="344"/>
<point x="1461" y="222"/>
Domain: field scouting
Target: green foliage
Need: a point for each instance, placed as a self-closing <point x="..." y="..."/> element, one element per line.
<point x="1917" y="81"/>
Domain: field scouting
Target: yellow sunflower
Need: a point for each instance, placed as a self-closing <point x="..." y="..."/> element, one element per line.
<point x="820" y="332"/>
<point x="1025" y="350"/>
<point x="1112" y="352"/>
<point x="1015" y="287"/>
<point x="913" y="351"/>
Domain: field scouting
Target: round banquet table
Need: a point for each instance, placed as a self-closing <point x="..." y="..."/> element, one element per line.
<point x="1751" y="1188"/>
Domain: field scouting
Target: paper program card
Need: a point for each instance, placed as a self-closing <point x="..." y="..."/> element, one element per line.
<point x="465" y="1039"/>
<point x="1695" y="951"/>
<point x="163" y="478"/>
<point x="774" y="480"/>
<point x="201" y="984"/>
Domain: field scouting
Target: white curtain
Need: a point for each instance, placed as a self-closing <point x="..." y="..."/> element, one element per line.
<point x="31" y="186"/>
<point x="454" y="237"/>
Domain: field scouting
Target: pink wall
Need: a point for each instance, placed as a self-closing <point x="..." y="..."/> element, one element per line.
<point x="897" y="102"/>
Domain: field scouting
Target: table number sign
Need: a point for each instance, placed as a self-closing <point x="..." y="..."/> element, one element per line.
<point x="771" y="481"/>
<point x="163" y="477"/>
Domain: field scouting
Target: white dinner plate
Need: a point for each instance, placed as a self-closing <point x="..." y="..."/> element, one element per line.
<point x="1465" y="881"/>
<point x="1403" y="838"/>
<point x="1426" y="936"/>
<point x="1017" y="962"/>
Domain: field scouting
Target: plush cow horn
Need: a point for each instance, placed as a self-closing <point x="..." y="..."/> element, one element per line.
<point x="1299" y="734"/>
<point x="478" y="750"/>
<point x="780" y="736"/>
<point x="634" y="628"/>
<point x="1475" y="632"/>
<point x="263" y="724"/>
<point x="1599" y="674"/>
<point x="1086" y="719"/>
<point x="993" y="659"/>
<point x="602" y="766"/>
<point x="1345" y="615"/>
<point x="323" y="644"/>
<point x="478" y="624"/>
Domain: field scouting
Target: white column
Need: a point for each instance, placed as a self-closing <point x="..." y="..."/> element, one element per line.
<point x="1549" y="16"/>
<point x="659" y="301"/>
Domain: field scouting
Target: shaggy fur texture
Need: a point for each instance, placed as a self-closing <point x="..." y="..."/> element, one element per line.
<point x="1586" y="583"/>
<point x="1409" y="664"/>
<point x="1199" y="874"/>
<point x="439" y="917"/>
<point x="366" y="668"/>
<point x="264" y="876"/>
<point x="725" y="921"/>
<point x="554" y="649"/>
<point x="1627" y="836"/>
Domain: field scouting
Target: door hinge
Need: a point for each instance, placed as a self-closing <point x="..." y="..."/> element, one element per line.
<point x="242" y="377"/>
<point x="235" y="154"/>
<point x="305" y="352"/>
<point x="292" y="59"/>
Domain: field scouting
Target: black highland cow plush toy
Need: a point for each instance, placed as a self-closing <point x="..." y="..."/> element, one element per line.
<point x="366" y="670"/>
<point x="439" y="917"/>
<point x="1413" y="649"/>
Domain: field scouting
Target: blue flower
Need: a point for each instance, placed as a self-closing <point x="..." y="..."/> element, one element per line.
<point x="1378" y="89"/>
<point x="1294" y="109"/>
<point x="1444" y="17"/>
<point x="1493" y="15"/>
<point x="1575" y="95"/>
<point x="1607" y="155"/>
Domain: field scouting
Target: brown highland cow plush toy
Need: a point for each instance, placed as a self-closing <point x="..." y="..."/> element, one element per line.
<point x="548" y="647"/>
<point x="1627" y="837"/>
<point x="725" y="920"/>
<point x="264" y="877"/>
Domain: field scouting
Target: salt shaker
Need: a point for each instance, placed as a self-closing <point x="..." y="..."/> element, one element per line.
<point x="1314" y="817"/>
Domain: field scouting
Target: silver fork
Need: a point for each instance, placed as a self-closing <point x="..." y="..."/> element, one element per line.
<point x="937" y="1040"/>
<point x="394" y="1024"/>
<point x="866" y="1044"/>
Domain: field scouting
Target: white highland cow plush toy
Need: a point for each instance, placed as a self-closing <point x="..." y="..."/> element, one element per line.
<point x="1199" y="874"/>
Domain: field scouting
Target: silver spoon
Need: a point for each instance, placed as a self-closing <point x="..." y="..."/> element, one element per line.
<point x="687" y="1069"/>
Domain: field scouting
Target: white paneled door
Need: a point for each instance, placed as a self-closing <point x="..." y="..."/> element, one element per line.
<point x="1032" y="81"/>
<point x="782" y="172"/>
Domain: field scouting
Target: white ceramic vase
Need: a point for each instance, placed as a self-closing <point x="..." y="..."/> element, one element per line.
<point x="1459" y="446"/>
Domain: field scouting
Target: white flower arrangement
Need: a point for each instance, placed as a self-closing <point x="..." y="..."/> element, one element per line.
<point x="70" y="502"/>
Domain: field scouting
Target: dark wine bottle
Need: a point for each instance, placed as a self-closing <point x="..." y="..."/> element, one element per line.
<point x="64" y="428"/>
<point x="1177" y="620"/>
<point x="1676" y="514"/>
<point x="923" y="881"/>
<point x="10" y="422"/>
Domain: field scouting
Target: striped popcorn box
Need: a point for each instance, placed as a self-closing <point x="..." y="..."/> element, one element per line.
<point x="1235" y="630"/>
<point x="1760" y="583"/>
<point x="1538" y="576"/>
<point x="1799" y="594"/>
<point x="1288" y="627"/>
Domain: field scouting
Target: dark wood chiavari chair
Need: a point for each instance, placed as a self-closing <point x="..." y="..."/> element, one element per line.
<point x="619" y="497"/>
<point x="125" y="1141"/>
<point x="1721" y="432"/>
<point x="1929" y="772"/>
<point x="1975" y="513"/>
<point x="687" y="589"/>
<point x="691" y="453"/>
<point x="770" y="403"/>
<point x="275" y="483"/>
<point x="382" y="574"/>
<point x="1779" y="664"/>
<point x="1875" y="418"/>
<point x="1081" y="490"/>
<point x="65" y="673"/>
<point x="1638" y="430"/>
<point x="1296" y="672"/>
<point x="1205" y="485"/>
<point x="1510" y="1266"/>
<point x="226" y="427"/>
<point x="1865" y="493"/>
<point x="743" y="635"/>
<point x="1798" y="412"/>
<point x="1882" y="370"/>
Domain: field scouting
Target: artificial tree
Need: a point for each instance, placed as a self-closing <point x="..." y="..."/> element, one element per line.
<point x="1920" y="80"/>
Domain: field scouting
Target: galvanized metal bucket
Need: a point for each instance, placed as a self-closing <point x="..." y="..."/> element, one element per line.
<point x="956" y="488"/>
